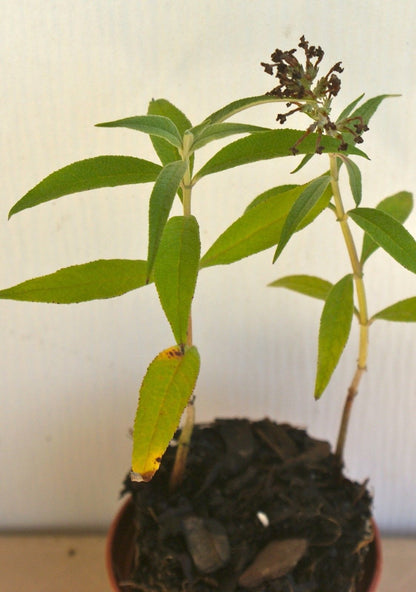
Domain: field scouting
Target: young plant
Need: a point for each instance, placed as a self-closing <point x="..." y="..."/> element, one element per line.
<point x="382" y="226"/>
<point x="173" y="260"/>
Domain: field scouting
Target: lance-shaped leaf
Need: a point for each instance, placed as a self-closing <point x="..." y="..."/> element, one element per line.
<point x="176" y="271"/>
<point x="354" y="175"/>
<point x="160" y="204"/>
<point x="217" y="131"/>
<point x="334" y="331"/>
<point x="403" y="311"/>
<point x="105" y="278"/>
<point x="270" y="193"/>
<point x="308" y="285"/>
<point x="367" y="109"/>
<point x="302" y="163"/>
<point x="236" y="107"/>
<point x="260" y="226"/>
<point x="166" y="388"/>
<point x="166" y="151"/>
<point x="155" y="125"/>
<point x="363" y="114"/>
<point x="92" y="173"/>
<point x="389" y="234"/>
<point x="267" y="145"/>
<point x="348" y="109"/>
<point x="256" y="230"/>
<point x="399" y="207"/>
<point x="301" y="210"/>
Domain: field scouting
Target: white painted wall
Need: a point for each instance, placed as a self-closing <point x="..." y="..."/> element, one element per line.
<point x="70" y="374"/>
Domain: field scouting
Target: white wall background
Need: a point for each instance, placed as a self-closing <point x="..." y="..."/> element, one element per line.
<point x="70" y="374"/>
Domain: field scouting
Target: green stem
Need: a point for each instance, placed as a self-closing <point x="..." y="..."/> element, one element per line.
<point x="179" y="465"/>
<point x="187" y="193"/>
<point x="342" y="218"/>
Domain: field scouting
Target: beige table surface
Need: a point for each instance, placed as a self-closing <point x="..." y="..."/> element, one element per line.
<point x="48" y="563"/>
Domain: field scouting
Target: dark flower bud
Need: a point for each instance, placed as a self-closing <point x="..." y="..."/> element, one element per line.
<point x="277" y="55"/>
<point x="268" y="68"/>
<point x="338" y="68"/>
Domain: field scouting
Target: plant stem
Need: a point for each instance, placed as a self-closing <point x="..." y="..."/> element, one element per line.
<point x="178" y="470"/>
<point x="179" y="465"/>
<point x="342" y="218"/>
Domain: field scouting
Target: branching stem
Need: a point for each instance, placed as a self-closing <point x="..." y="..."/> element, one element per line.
<point x="342" y="218"/>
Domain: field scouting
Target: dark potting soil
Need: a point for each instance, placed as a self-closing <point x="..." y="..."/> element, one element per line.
<point x="263" y="507"/>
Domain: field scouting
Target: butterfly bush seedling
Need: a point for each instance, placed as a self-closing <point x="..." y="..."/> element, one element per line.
<point x="173" y="260"/>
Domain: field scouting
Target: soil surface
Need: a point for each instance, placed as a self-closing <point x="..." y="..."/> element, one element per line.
<point x="263" y="507"/>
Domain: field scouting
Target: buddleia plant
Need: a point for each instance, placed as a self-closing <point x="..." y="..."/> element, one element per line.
<point x="173" y="260"/>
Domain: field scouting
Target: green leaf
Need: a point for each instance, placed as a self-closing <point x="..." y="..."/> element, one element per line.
<point x="304" y="284"/>
<point x="367" y="109"/>
<point x="155" y="125"/>
<point x="267" y="145"/>
<point x="270" y="193"/>
<point x="354" y="175"/>
<point x="364" y="113"/>
<point x="256" y="230"/>
<point x="388" y="233"/>
<point x="403" y="311"/>
<point x="334" y="331"/>
<point x="301" y="210"/>
<point x="176" y="271"/>
<point x="166" y="388"/>
<point x="92" y="173"/>
<point x="217" y="131"/>
<point x="348" y="109"/>
<point x="160" y="204"/>
<point x="316" y="209"/>
<point x="166" y="152"/>
<point x="399" y="207"/>
<point x="302" y="163"/>
<point x="236" y="107"/>
<point x="105" y="278"/>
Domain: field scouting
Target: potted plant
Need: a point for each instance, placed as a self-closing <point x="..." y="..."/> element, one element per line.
<point x="238" y="505"/>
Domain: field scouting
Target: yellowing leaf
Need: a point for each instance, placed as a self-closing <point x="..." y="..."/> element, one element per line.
<point x="166" y="388"/>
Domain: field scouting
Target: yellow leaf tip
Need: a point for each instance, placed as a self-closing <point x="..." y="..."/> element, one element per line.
<point x="172" y="353"/>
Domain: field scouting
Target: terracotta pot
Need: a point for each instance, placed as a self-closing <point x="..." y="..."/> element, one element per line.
<point x="120" y="552"/>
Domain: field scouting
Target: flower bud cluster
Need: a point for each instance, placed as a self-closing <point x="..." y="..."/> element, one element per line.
<point x="299" y="83"/>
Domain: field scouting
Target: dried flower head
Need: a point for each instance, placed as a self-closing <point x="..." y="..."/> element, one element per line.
<point x="299" y="83"/>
